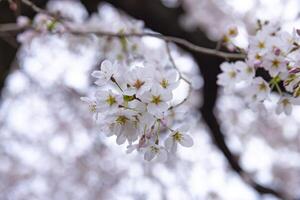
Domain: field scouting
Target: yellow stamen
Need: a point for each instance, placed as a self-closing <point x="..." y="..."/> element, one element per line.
<point x="164" y="83"/>
<point x="156" y="99"/>
<point x="111" y="100"/>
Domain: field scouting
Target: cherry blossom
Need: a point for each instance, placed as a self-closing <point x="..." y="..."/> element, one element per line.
<point x="133" y="103"/>
<point x="157" y="152"/>
<point x="178" y="136"/>
<point x="229" y="76"/>
<point x="157" y="101"/>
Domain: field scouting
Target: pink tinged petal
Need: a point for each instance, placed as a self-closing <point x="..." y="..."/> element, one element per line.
<point x="85" y="99"/>
<point x="174" y="148"/>
<point x="278" y="109"/>
<point x="288" y="109"/>
<point x="295" y="101"/>
<point x="149" y="155"/>
<point x="120" y="139"/>
<point x="171" y="75"/>
<point x="154" y="110"/>
<point x="129" y="91"/>
<point x="162" y="107"/>
<point x="167" y="96"/>
<point x="106" y="65"/>
<point x="147" y="97"/>
<point x="101" y="82"/>
<point x="169" y="142"/>
<point x="174" y="85"/>
<point x="162" y="156"/>
<point x="184" y="128"/>
<point x="186" y="141"/>
<point x="225" y="66"/>
<point x="97" y="74"/>
<point x="131" y="148"/>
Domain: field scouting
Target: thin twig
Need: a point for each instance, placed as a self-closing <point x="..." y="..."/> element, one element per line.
<point x="34" y="7"/>
<point x="9" y="27"/>
<point x="181" y="77"/>
<point x="174" y="64"/>
<point x="176" y="40"/>
<point x="180" y="41"/>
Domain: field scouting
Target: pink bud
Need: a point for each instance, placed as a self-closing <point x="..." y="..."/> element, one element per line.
<point x="142" y="141"/>
<point x="294" y="70"/>
<point x="277" y="51"/>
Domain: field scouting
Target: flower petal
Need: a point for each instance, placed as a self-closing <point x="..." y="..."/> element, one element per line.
<point x="149" y="155"/>
<point x="186" y="141"/>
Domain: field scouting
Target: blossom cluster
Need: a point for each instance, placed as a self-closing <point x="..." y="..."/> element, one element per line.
<point x="134" y="103"/>
<point x="274" y="51"/>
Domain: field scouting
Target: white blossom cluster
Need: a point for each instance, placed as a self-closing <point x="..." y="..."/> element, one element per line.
<point x="135" y="85"/>
<point x="134" y="103"/>
<point x="274" y="51"/>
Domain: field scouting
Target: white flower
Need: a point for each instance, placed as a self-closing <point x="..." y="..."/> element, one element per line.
<point x="140" y="80"/>
<point x="246" y="72"/>
<point x="178" y="136"/>
<point x="91" y="103"/>
<point x="229" y="76"/>
<point x="260" y="42"/>
<point x="156" y="100"/>
<point x="26" y="36"/>
<point x="157" y="151"/>
<point x="107" y="100"/>
<point x="275" y="64"/>
<point x="93" y="106"/>
<point x="123" y="125"/>
<point x="286" y="42"/>
<point x="232" y="31"/>
<point x="23" y="21"/>
<point x="167" y="80"/>
<point x="109" y="71"/>
<point x="255" y="58"/>
<point x="285" y="104"/>
<point x="259" y="90"/>
<point x="146" y="121"/>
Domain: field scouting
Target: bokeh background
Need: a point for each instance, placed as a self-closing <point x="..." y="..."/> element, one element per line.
<point x="50" y="148"/>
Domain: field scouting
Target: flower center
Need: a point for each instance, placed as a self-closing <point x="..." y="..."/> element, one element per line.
<point x="164" y="83"/>
<point x="232" y="32"/>
<point x="111" y="100"/>
<point x="258" y="57"/>
<point x="121" y="119"/>
<point x="285" y="102"/>
<point x="92" y="108"/>
<point x="249" y="70"/>
<point x="156" y="99"/>
<point x="275" y="63"/>
<point x="154" y="149"/>
<point x="232" y="74"/>
<point x="177" y="136"/>
<point x="262" y="87"/>
<point x="138" y="84"/>
<point x="261" y="45"/>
